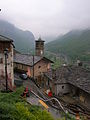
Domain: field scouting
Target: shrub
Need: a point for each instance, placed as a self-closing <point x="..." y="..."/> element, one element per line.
<point x="13" y="107"/>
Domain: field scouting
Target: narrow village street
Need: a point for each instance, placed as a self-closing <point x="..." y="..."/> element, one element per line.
<point x="35" y="101"/>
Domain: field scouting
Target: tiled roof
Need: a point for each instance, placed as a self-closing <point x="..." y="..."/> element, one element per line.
<point x="28" y="59"/>
<point x="5" y="39"/>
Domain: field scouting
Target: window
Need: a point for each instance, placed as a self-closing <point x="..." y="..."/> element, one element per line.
<point x="39" y="66"/>
<point x="11" y="54"/>
<point x="1" y="60"/>
<point x="11" y="64"/>
<point x="62" y="87"/>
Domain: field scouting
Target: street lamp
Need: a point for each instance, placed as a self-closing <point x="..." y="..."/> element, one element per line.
<point x="6" y="77"/>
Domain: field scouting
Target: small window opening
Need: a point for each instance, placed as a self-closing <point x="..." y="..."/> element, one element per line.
<point x="1" y="60"/>
<point x="62" y="87"/>
<point x="39" y="66"/>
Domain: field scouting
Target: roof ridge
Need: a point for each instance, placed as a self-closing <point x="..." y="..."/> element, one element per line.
<point x="6" y="38"/>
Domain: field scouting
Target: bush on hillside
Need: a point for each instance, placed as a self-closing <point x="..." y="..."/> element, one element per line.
<point x="13" y="107"/>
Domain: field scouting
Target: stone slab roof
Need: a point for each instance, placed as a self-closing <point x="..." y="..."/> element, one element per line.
<point x="75" y="75"/>
<point x="5" y="39"/>
<point x="28" y="59"/>
<point x="80" y="78"/>
<point x="59" y="75"/>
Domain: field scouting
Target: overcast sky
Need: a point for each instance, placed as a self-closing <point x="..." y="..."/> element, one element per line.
<point x="47" y="17"/>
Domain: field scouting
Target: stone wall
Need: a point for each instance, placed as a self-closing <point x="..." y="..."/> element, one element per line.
<point x="10" y="73"/>
<point x="84" y="98"/>
<point x="62" y="89"/>
<point x="39" y="68"/>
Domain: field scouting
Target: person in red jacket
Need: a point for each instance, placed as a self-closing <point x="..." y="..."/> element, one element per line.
<point x="50" y="94"/>
<point x="26" y="92"/>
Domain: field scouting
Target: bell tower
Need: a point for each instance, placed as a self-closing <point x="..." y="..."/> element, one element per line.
<point x="39" y="47"/>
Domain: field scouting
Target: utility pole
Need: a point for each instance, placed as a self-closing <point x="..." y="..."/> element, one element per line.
<point x="33" y="66"/>
<point x="6" y="77"/>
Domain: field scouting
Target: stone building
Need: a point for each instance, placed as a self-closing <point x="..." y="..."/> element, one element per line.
<point x="79" y="81"/>
<point x="73" y="80"/>
<point x="56" y="80"/>
<point x="6" y="43"/>
<point x="34" y="66"/>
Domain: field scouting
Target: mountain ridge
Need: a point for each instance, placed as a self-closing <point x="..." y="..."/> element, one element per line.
<point x="75" y="44"/>
<point x="20" y="37"/>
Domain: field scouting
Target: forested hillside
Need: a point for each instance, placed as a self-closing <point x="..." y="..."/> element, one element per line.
<point x="75" y="44"/>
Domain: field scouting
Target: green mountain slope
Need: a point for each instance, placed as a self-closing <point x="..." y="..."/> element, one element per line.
<point x="75" y="44"/>
<point x="23" y="40"/>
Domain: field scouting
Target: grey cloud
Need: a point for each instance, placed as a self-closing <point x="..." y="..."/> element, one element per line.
<point x="47" y="17"/>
